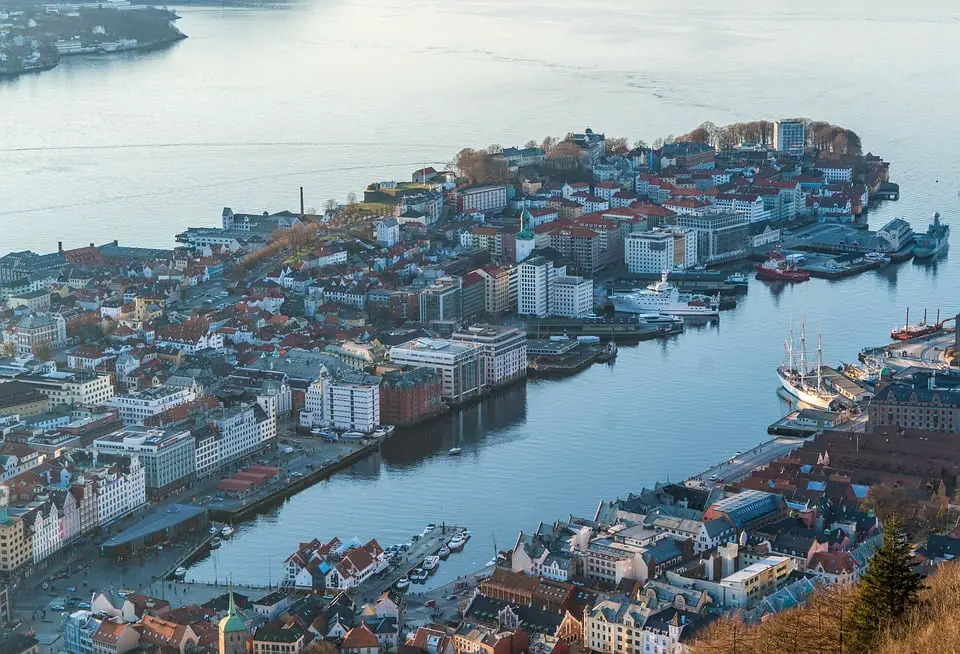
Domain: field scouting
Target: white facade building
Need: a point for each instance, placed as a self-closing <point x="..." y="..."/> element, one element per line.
<point x="65" y="388"/>
<point x="351" y="402"/>
<point x="488" y="199"/>
<point x="660" y="249"/>
<point x="311" y="415"/>
<point x="168" y="457"/>
<point x="789" y="136"/>
<point x="134" y="408"/>
<point x="533" y="289"/>
<point x="121" y="489"/>
<point x="503" y="351"/>
<point x="750" y="205"/>
<point x="619" y="625"/>
<point x="571" y="297"/>
<point x="457" y="363"/>
<point x="238" y="432"/>
<point x="388" y="232"/>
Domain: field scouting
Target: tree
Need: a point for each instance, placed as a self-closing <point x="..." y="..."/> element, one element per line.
<point x="727" y="636"/>
<point x="530" y="144"/>
<point x="42" y="351"/>
<point x="888" y="501"/>
<point x="888" y="590"/>
<point x="331" y="205"/>
<point x="322" y="647"/>
<point x="7" y="348"/>
<point x="548" y="143"/>
<point x="614" y="144"/>
<point x="494" y="148"/>
<point x="567" y="155"/>
<point x="351" y="198"/>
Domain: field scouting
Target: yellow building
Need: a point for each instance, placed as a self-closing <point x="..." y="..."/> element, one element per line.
<point x="15" y="548"/>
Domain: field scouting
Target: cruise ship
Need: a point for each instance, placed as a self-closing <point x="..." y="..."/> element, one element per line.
<point x="662" y="297"/>
<point x="802" y="383"/>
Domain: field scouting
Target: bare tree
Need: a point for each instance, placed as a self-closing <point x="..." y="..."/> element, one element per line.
<point x="331" y="205"/>
<point x="614" y="144"/>
<point x="530" y="144"/>
<point x="548" y="143"/>
<point x="640" y="143"/>
<point x="351" y="198"/>
<point x="495" y="148"/>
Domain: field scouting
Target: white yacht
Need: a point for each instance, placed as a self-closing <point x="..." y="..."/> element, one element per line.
<point x="663" y="297"/>
<point x="430" y="563"/>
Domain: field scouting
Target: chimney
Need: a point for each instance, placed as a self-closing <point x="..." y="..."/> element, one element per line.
<point x="60" y="247"/>
<point x="301" y="203"/>
<point x="91" y="245"/>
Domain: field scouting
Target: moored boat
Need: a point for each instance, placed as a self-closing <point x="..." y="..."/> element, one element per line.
<point x="454" y="451"/>
<point x="934" y="241"/>
<point x="916" y="330"/>
<point x="443" y="553"/>
<point x="226" y="531"/>
<point x="795" y="378"/>
<point x="353" y="435"/>
<point x="777" y="269"/>
<point x="402" y="584"/>
<point x="180" y="572"/>
<point x="456" y="543"/>
<point x="418" y="575"/>
<point x="215" y="542"/>
<point x="430" y="563"/>
<point x="662" y="297"/>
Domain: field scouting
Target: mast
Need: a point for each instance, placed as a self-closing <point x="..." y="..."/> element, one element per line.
<point x="819" y="360"/>
<point x="906" y="325"/>
<point x="803" y="348"/>
<point x="789" y="345"/>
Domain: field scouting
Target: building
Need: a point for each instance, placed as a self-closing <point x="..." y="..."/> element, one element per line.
<point x="919" y="405"/>
<point x="720" y="236"/>
<point x="619" y="625"/>
<point x="18" y="398"/>
<point x="660" y="249"/>
<point x="442" y="300"/>
<point x="388" y="232"/>
<point x="121" y="487"/>
<point x="458" y="364"/>
<point x="503" y="352"/>
<point x="168" y="456"/>
<point x="237" y="433"/>
<point x="37" y="330"/>
<point x="231" y="631"/>
<point x="580" y="247"/>
<point x="473" y="297"/>
<point x="15" y="547"/>
<point x="33" y="301"/>
<point x="747" y="586"/>
<point x="287" y="639"/>
<point x="533" y="288"/>
<point x="749" y="204"/>
<point x="748" y="509"/>
<point x="360" y="640"/>
<point x="789" y="136"/>
<point x="72" y="388"/>
<point x="410" y="396"/>
<point x="115" y="637"/>
<point x="571" y="296"/>
<point x="140" y="406"/>
<point x="351" y="402"/>
<point x="500" y="289"/>
<point x="487" y="199"/>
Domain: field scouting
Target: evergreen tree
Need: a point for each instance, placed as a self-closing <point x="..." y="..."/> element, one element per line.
<point x="887" y="591"/>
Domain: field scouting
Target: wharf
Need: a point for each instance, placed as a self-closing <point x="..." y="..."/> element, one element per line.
<point x="740" y="465"/>
<point x="194" y="554"/>
<point x="705" y="283"/>
<point x="801" y="423"/>
<point x="617" y="329"/>
<point x="428" y="545"/>
<point x="565" y="364"/>
<point x="229" y="511"/>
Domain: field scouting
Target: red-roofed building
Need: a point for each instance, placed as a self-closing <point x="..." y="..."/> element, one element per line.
<point x="115" y="638"/>
<point x="580" y="246"/>
<point x="360" y="640"/>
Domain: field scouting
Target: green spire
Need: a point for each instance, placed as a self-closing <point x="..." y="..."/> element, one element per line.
<point x="232" y="622"/>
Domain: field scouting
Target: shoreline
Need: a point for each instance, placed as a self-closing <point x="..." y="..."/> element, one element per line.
<point x="147" y="47"/>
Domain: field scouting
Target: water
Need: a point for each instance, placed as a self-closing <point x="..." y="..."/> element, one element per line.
<point x="331" y="95"/>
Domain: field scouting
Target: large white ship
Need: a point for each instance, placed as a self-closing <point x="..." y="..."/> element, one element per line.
<point x="663" y="297"/>
<point x="802" y="383"/>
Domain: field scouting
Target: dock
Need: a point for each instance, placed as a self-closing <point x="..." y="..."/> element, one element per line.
<point x="625" y="329"/>
<point x="426" y="546"/>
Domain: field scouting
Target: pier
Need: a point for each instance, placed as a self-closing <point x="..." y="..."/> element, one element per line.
<point x="628" y="329"/>
<point x="426" y="546"/>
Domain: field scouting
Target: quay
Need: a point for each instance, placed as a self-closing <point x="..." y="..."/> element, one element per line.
<point x="626" y="329"/>
<point x="427" y="545"/>
<point x="741" y="464"/>
<point x="806" y="422"/>
<point x="563" y="357"/>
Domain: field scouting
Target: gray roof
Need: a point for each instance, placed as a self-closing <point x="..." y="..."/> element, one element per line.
<point x="159" y="520"/>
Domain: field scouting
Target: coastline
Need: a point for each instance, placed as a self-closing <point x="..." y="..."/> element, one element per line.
<point x="146" y="47"/>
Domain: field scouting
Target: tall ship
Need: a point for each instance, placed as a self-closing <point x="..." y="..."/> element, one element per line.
<point x="662" y="297"/>
<point x="934" y="241"/>
<point x="798" y="380"/>
<point x="777" y="269"/>
<point x="915" y="330"/>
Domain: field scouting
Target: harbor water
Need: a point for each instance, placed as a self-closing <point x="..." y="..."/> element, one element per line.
<point x="332" y="94"/>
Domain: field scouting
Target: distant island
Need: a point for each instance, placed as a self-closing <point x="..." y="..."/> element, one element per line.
<point x="39" y="35"/>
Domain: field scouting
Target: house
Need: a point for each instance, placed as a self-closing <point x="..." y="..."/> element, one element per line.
<point x="360" y="640"/>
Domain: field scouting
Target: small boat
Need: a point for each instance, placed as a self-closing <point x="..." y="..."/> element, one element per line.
<point x="180" y="572"/>
<point x="465" y="535"/>
<point x="418" y="575"/>
<point x="353" y="435"/>
<point x="380" y="433"/>
<point x="388" y="428"/>
<point x="430" y="526"/>
<point x="444" y="553"/>
<point x="325" y="434"/>
<point x="213" y="529"/>
<point x="909" y="331"/>
<point x="227" y="531"/>
<point x="403" y="583"/>
<point x="430" y="563"/>
<point x="456" y="543"/>
<point x="215" y="542"/>
<point x="454" y="451"/>
<point x="737" y="279"/>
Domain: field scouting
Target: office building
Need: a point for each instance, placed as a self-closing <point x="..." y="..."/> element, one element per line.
<point x="661" y="249"/>
<point x="503" y="351"/>
<point x="789" y="136"/>
<point x="571" y="297"/>
<point x="137" y="407"/>
<point x="720" y="236"/>
<point x="351" y="401"/>
<point x="457" y="363"/>
<point x="168" y="456"/>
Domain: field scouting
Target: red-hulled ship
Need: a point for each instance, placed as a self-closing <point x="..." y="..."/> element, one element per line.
<point x="917" y="330"/>
<point x="777" y="269"/>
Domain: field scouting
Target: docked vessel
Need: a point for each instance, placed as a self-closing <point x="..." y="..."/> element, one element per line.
<point x="430" y="563"/>
<point x="456" y="543"/>
<point x="662" y="297"/>
<point x="227" y="531"/>
<point x="443" y="553"/>
<point x="215" y="542"/>
<point x="797" y="380"/>
<point x="353" y="435"/>
<point x="418" y="575"/>
<point x="737" y="279"/>
<point x="454" y="451"/>
<point x="402" y="584"/>
<point x="777" y="269"/>
<point x="916" y="330"/>
<point x="180" y="572"/>
<point x="934" y="241"/>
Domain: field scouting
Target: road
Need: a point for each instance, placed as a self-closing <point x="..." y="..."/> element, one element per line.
<point x="743" y="463"/>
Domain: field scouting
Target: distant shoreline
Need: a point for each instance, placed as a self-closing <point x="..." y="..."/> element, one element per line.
<point x="154" y="45"/>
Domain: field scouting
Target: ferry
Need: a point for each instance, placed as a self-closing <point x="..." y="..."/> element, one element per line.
<point x="777" y="269"/>
<point x="430" y="563"/>
<point x="934" y="241"/>
<point x="795" y="377"/>
<point x="664" y="297"/>
<point x="402" y="584"/>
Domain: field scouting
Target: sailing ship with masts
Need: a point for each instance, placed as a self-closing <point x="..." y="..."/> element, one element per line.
<point x="797" y="379"/>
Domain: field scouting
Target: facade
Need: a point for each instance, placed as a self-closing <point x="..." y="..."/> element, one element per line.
<point x="351" y="402"/>
<point x="78" y="632"/>
<point x="458" y="364"/>
<point x="619" y="625"/>
<point x="720" y="237"/>
<point x="15" y="547"/>
<point x="789" y="136"/>
<point x="442" y="300"/>
<point x="388" y="232"/>
<point x="533" y="289"/>
<point x="168" y="457"/>
<point x="499" y="289"/>
<point x="580" y="246"/>
<point x="571" y="297"/>
<point x="913" y="407"/>
<point x="503" y="352"/>
<point x="121" y="488"/>
<point x="18" y="398"/>
<point x="238" y="434"/>
<point x="660" y="249"/>
<point x="488" y="199"/>
<point x="747" y="586"/>
<point x="37" y="330"/>
<point x="409" y="396"/>
<point x="137" y="407"/>
<point x="72" y="388"/>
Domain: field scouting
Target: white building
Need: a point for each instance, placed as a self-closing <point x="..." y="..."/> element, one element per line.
<point x="36" y="330"/>
<point x="571" y="297"/>
<point x="533" y="289"/>
<point x="134" y="408"/>
<point x="311" y="415"/>
<point x="351" y="401"/>
<point x="619" y="625"/>
<point x="388" y="232"/>
<point x="239" y="435"/>
<point x="835" y="171"/>
<point x="457" y="363"/>
<point x="789" y="136"/>
<point x="750" y="205"/>
<point x="72" y="388"/>
<point x="42" y="521"/>
<point x="503" y="351"/>
<point x="121" y="487"/>
<point x="660" y="249"/>
<point x="488" y="199"/>
<point x="168" y="457"/>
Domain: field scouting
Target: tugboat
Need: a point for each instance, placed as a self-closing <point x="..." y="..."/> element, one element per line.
<point x="934" y="241"/>
<point x="777" y="269"/>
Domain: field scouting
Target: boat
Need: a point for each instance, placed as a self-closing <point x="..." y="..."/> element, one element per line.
<point x="798" y="380"/>
<point x="777" y="269"/>
<point x="226" y="531"/>
<point x="934" y="241"/>
<point x="430" y="563"/>
<point x="213" y="529"/>
<point x="917" y="330"/>
<point x="325" y="434"/>
<point x="215" y="542"/>
<point x="465" y="534"/>
<point x="443" y="553"/>
<point x="737" y="279"/>
<point x="662" y="297"/>
<point x="454" y="451"/>
<point x="380" y="433"/>
<point x="418" y="575"/>
<point x="353" y="435"/>
<point x="388" y="428"/>
<point x="402" y="584"/>
<point x="456" y="543"/>
<point x="180" y="572"/>
<point x="661" y="320"/>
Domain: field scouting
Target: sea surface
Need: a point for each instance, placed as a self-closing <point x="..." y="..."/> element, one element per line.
<point x="332" y="94"/>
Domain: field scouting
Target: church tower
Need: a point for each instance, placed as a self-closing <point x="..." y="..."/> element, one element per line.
<point x="233" y="633"/>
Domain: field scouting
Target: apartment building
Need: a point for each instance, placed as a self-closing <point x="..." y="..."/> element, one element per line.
<point x="72" y="388"/>
<point x="571" y="296"/>
<point x="168" y="456"/>
<point x="660" y="249"/>
<point x="458" y="364"/>
<point x="135" y="408"/>
<point x="351" y="401"/>
<point x="503" y="352"/>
